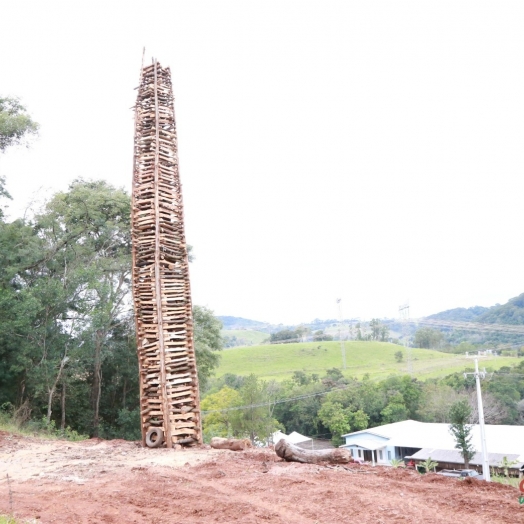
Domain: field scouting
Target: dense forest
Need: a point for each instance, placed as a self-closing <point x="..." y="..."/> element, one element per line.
<point x="329" y="406"/>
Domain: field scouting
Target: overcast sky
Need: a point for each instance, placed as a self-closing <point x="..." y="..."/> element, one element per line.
<point x="371" y="151"/>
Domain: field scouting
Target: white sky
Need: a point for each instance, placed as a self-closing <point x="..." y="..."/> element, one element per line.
<point x="367" y="150"/>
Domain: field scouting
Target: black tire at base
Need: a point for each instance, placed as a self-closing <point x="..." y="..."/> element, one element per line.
<point x="159" y="438"/>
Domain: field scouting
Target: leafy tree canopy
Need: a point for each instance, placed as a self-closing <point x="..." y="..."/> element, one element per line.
<point x="460" y="415"/>
<point x="15" y="123"/>
<point x="428" y="338"/>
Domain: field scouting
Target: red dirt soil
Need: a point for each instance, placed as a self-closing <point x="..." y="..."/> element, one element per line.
<point x="99" y="481"/>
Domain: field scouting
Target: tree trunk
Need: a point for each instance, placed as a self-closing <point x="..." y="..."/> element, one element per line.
<point x="234" y="444"/>
<point x="53" y="388"/>
<point x="124" y="394"/>
<point x="97" y="381"/>
<point x="63" y="406"/>
<point x="21" y="390"/>
<point x="293" y="453"/>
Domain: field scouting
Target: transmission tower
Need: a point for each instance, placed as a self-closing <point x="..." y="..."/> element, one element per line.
<point x="403" y="311"/>
<point x="342" y="344"/>
<point x="169" y="397"/>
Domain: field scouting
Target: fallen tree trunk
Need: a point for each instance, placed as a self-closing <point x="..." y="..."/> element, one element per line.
<point x="234" y="444"/>
<point x="293" y="453"/>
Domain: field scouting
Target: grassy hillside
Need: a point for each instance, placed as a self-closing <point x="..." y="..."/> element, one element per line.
<point x="245" y="337"/>
<point x="279" y="361"/>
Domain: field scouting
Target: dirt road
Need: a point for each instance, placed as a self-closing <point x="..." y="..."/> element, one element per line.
<point x="99" y="481"/>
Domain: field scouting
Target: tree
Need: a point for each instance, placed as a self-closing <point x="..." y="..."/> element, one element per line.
<point x="15" y="123"/>
<point x="333" y="378"/>
<point x="255" y="419"/>
<point x="399" y="356"/>
<point x="395" y="411"/>
<point x="220" y="420"/>
<point x="374" y="325"/>
<point x="302" y="379"/>
<point x="284" y="335"/>
<point x="65" y="272"/>
<point x="379" y="331"/>
<point x="88" y="230"/>
<point x="301" y="415"/>
<point x="428" y="338"/>
<point x="341" y="420"/>
<point x="208" y="342"/>
<point x="495" y="411"/>
<point x="359" y="332"/>
<point x="460" y="414"/>
<point x="319" y="336"/>
<point x="505" y="464"/>
<point x="3" y="194"/>
<point x="435" y="401"/>
<point x="335" y="417"/>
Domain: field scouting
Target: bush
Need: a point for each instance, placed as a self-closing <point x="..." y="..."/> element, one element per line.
<point x="49" y="429"/>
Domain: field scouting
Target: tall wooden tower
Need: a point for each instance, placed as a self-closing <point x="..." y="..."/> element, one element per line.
<point x="169" y="398"/>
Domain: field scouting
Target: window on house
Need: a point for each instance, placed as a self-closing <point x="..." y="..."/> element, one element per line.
<point x="380" y="454"/>
<point x="360" y="453"/>
<point x="389" y="455"/>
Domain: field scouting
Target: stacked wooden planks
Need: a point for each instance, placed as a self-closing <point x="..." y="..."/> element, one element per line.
<point x="169" y="398"/>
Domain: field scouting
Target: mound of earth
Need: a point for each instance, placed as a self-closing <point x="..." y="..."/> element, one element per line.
<point x="97" y="481"/>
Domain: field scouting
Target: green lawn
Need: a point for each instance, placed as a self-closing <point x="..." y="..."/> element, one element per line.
<point x="279" y="361"/>
<point x="247" y="337"/>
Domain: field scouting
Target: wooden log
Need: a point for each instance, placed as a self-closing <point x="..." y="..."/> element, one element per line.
<point x="292" y="453"/>
<point x="233" y="444"/>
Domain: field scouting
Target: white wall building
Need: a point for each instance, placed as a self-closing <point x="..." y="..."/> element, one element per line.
<point x="405" y="439"/>
<point x="292" y="438"/>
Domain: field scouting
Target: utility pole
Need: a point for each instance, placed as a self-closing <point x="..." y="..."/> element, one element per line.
<point x="342" y="345"/>
<point x="485" y="459"/>
<point x="404" y="317"/>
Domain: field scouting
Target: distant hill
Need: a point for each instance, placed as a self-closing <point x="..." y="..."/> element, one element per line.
<point x="510" y="313"/>
<point x="462" y="314"/>
<point x="234" y="323"/>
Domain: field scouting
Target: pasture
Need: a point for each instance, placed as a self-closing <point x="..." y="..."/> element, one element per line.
<point x="279" y="361"/>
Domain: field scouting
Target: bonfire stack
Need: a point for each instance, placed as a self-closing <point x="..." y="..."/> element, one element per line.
<point x="169" y="399"/>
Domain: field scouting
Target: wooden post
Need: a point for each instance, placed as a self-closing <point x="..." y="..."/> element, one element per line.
<point x="169" y="396"/>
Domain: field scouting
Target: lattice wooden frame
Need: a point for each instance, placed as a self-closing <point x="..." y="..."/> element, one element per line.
<point x="169" y="397"/>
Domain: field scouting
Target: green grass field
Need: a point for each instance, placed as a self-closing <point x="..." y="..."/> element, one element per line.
<point x="248" y="337"/>
<point x="279" y="361"/>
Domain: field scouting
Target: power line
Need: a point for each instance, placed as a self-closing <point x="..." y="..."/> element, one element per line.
<point x="470" y="326"/>
<point x="279" y="401"/>
<point x="404" y="318"/>
<point x="342" y="345"/>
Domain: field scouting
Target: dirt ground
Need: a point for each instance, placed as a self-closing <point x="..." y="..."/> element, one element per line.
<point x="120" y="482"/>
